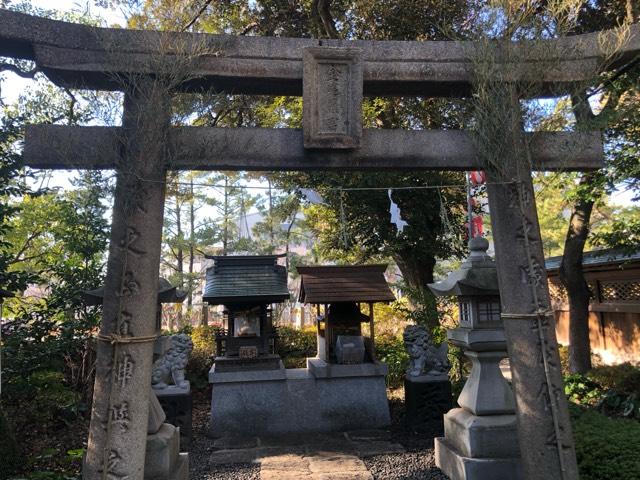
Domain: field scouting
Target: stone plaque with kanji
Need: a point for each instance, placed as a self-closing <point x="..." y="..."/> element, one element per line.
<point x="332" y="96"/>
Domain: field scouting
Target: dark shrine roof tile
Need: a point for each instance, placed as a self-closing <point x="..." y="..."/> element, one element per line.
<point x="245" y="279"/>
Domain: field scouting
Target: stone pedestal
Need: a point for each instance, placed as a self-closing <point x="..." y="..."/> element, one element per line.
<point x="321" y="398"/>
<point x="427" y="398"/>
<point x="163" y="460"/>
<point x="481" y="439"/>
<point x="177" y="405"/>
<point x="479" y="447"/>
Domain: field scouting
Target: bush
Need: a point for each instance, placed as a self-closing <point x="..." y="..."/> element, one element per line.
<point x="203" y="354"/>
<point x="11" y="459"/>
<point x="41" y="399"/>
<point x="295" y="345"/>
<point x="622" y="385"/>
<point x="581" y="389"/>
<point x="624" y="378"/>
<point x="390" y="350"/>
<point x="606" y="448"/>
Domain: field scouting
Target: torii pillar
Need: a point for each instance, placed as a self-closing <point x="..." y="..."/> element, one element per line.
<point x="544" y="427"/>
<point x="118" y="431"/>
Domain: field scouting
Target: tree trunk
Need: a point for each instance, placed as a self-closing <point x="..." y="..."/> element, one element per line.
<point x="271" y="234"/>
<point x="192" y="233"/>
<point x="417" y="274"/>
<point x="225" y="218"/>
<point x="571" y="273"/>
<point x="180" y="252"/>
<point x="572" y="277"/>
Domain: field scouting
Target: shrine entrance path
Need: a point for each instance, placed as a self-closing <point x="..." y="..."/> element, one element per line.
<point x="356" y="455"/>
<point x="393" y="454"/>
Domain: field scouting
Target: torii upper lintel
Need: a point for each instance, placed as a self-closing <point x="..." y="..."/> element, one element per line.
<point x="81" y="56"/>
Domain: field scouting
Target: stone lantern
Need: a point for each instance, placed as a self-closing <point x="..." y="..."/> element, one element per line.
<point x="481" y="439"/>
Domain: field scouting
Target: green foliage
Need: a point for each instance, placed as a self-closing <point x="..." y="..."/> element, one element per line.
<point x="204" y="351"/>
<point x="606" y="448"/>
<point x="390" y="350"/>
<point x="11" y="455"/>
<point x="295" y="345"/>
<point x="42" y="398"/>
<point x="620" y="404"/>
<point x="44" y="475"/>
<point x="622" y="384"/>
<point x="624" y="377"/>
<point x="581" y="390"/>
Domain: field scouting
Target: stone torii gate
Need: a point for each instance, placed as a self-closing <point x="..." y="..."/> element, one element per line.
<point x="335" y="74"/>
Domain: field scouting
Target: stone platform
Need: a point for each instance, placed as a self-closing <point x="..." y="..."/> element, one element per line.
<point x="321" y="398"/>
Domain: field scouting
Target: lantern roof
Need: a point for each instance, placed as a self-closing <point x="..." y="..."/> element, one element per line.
<point x="476" y="276"/>
<point x="167" y="293"/>
<point x="245" y="279"/>
<point x="344" y="283"/>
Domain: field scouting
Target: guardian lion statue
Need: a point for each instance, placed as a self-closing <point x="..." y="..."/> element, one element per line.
<point x="424" y="357"/>
<point x="169" y="369"/>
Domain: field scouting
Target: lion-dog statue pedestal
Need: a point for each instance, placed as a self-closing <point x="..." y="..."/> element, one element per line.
<point x="427" y="388"/>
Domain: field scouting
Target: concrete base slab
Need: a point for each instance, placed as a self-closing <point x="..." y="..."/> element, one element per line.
<point x="458" y="467"/>
<point x="273" y="402"/>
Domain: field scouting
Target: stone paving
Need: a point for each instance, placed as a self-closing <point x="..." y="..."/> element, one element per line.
<point x="332" y="456"/>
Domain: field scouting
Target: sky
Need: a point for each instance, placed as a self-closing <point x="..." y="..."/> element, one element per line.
<point x="13" y="85"/>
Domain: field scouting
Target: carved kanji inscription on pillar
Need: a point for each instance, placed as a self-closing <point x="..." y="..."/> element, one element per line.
<point x="332" y="96"/>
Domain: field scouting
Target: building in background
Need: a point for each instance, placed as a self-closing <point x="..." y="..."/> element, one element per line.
<point x="613" y="277"/>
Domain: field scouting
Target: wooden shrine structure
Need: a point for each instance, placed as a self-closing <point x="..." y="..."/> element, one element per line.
<point x="332" y="76"/>
<point x="341" y="285"/>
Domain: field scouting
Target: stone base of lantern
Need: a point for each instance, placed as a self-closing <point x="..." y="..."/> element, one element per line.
<point x="297" y="401"/>
<point x="478" y="448"/>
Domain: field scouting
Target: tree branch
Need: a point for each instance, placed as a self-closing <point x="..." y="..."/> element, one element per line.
<point x="197" y="16"/>
<point x="321" y="14"/>
<point x="248" y="28"/>
<point x="10" y="67"/>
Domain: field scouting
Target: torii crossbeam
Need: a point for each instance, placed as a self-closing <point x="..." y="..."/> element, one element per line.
<point x="145" y="147"/>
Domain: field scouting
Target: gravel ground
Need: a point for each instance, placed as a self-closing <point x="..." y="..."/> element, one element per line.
<point x="240" y="471"/>
<point x="202" y="447"/>
<point x="404" y="466"/>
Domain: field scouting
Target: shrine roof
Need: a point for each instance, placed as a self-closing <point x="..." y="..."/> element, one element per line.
<point x="607" y="258"/>
<point x="344" y="283"/>
<point x="245" y="279"/>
